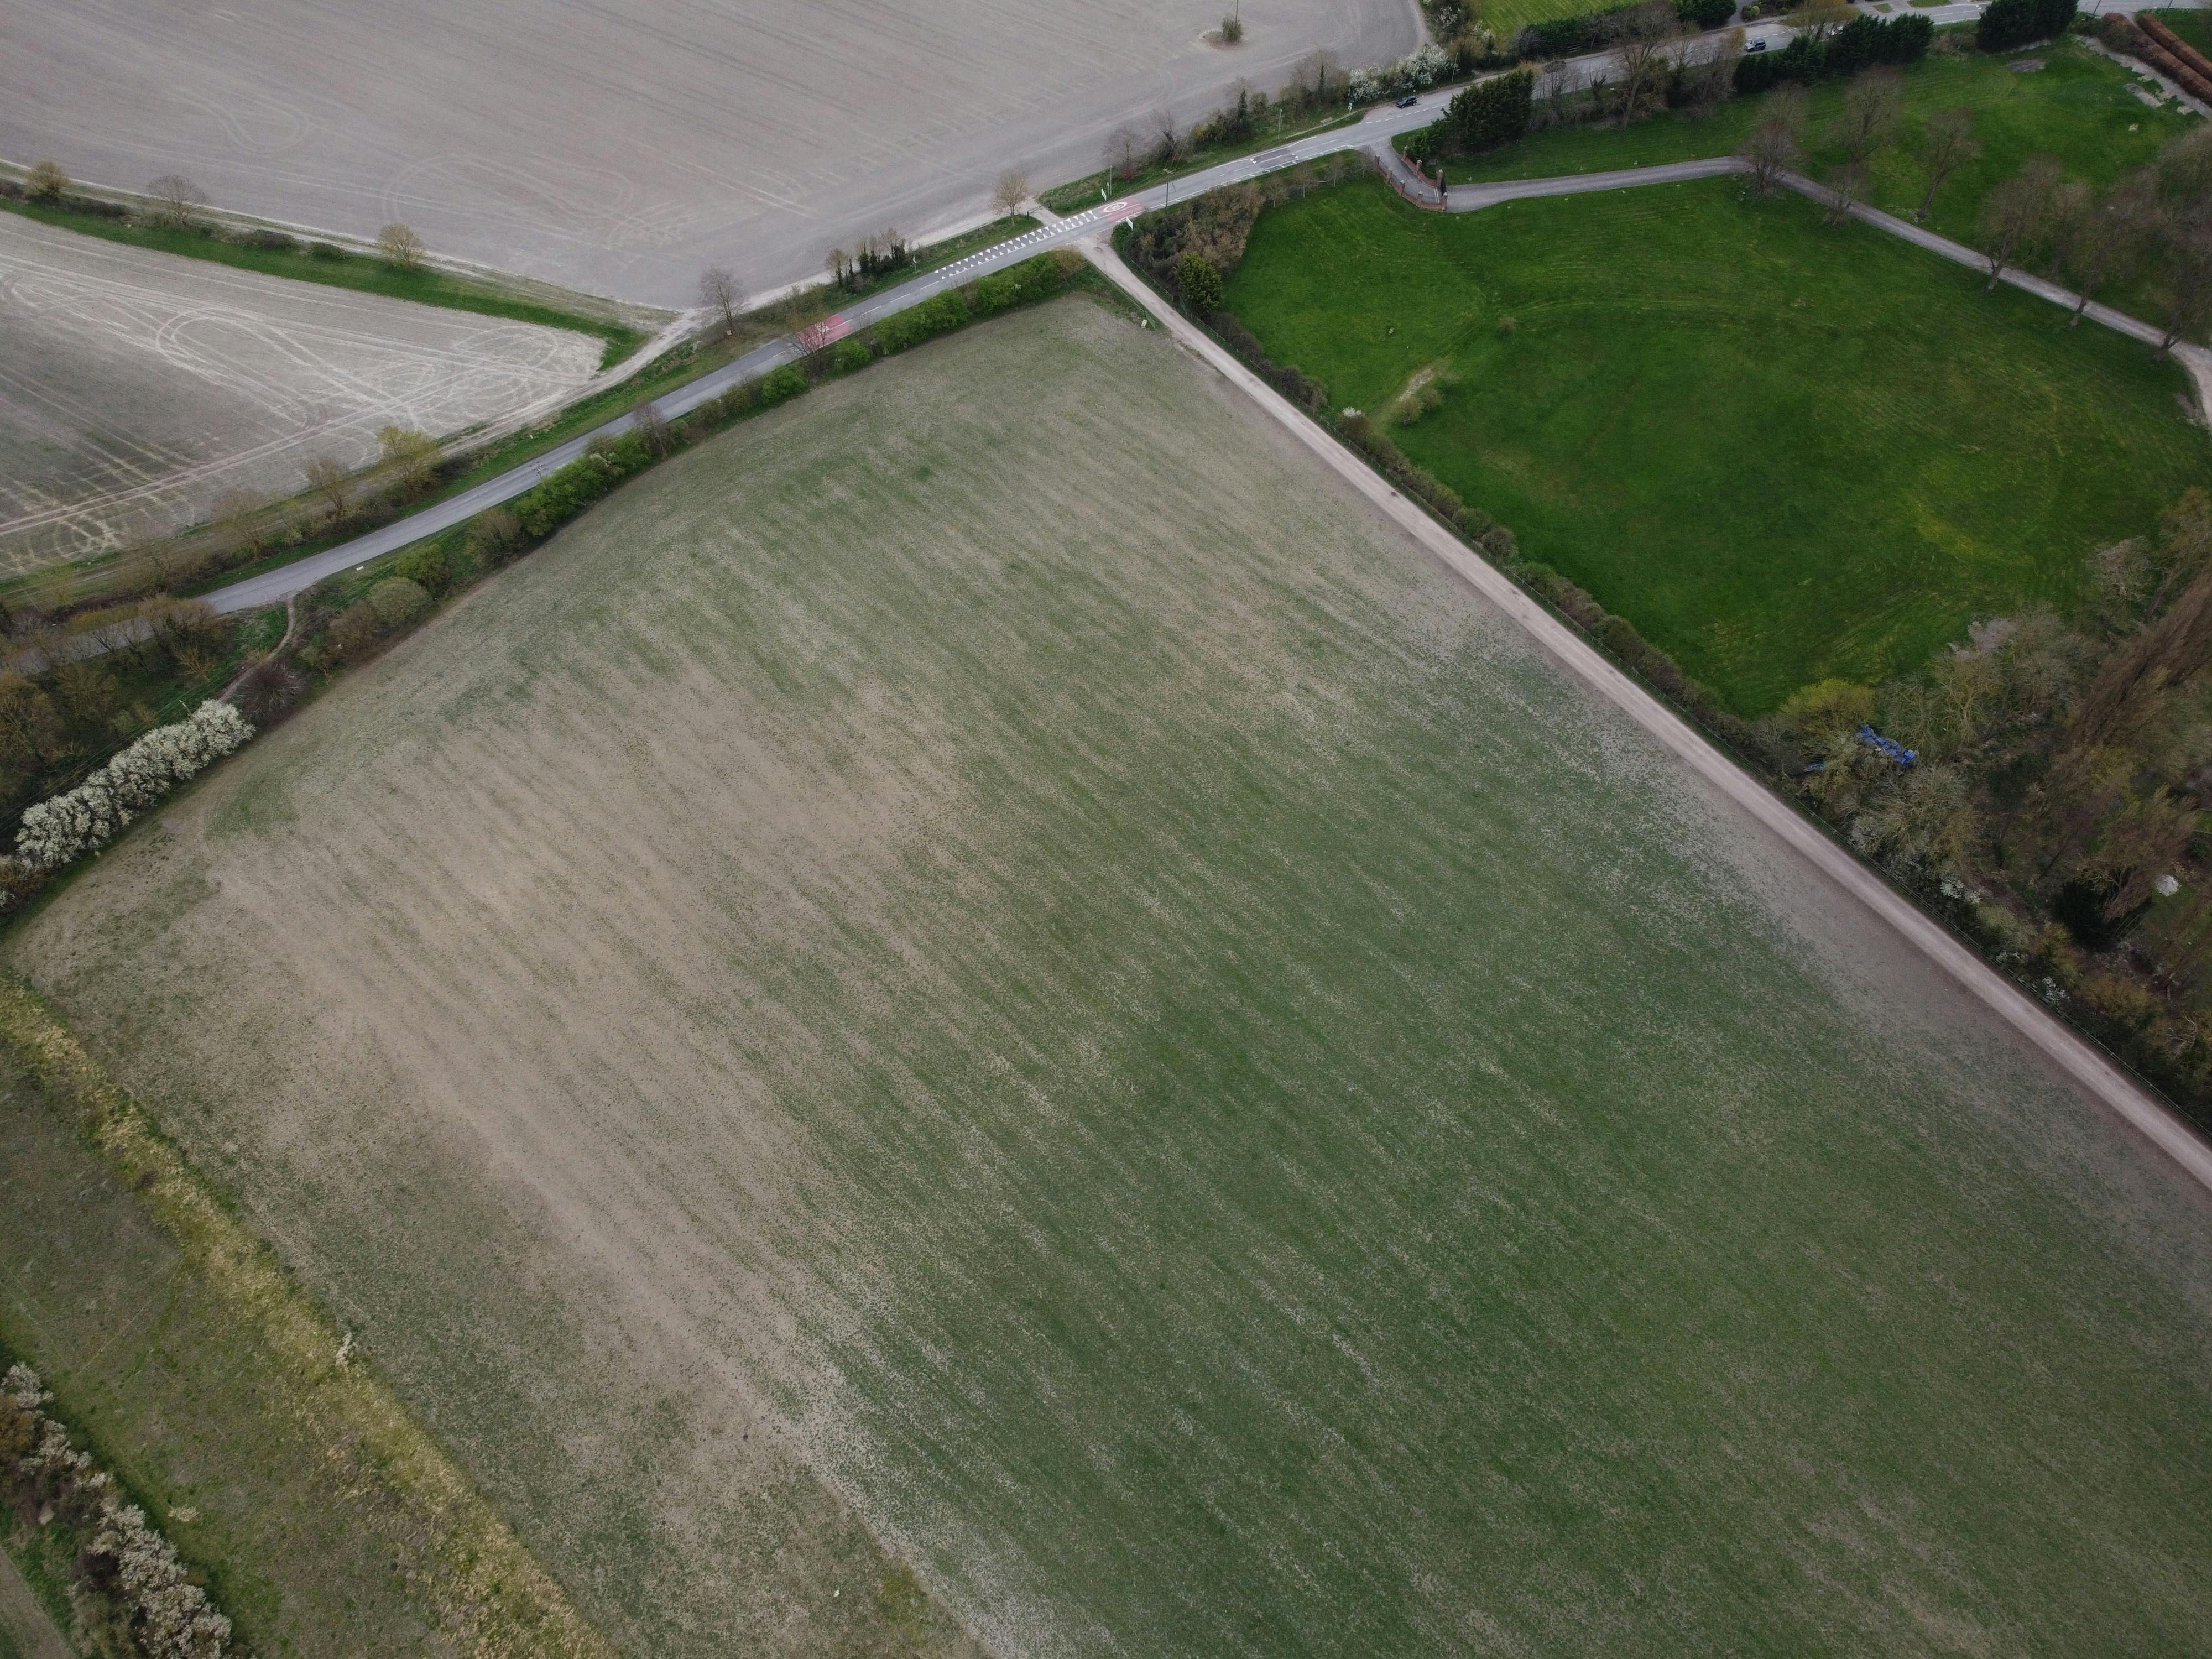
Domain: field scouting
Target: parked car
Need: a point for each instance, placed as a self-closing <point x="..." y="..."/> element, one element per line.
<point x="1409" y="100"/>
<point x="1756" y="46"/>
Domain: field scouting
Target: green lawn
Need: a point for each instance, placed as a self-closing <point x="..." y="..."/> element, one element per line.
<point x="360" y="271"/>
<point x="1784" y="450"/>
<point x="1506" y="18"/>
<point x="2076" y="107"/>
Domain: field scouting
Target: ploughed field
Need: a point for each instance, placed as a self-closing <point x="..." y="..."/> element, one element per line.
<point x="1785" y="450"/>
<point x="137" y="387"/>
<point x="619" y="148"/>
<point x="991" y="947"/>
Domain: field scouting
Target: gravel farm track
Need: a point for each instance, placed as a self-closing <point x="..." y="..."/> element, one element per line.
<point x="618" y="148"/>
<point x="135" y="386"/>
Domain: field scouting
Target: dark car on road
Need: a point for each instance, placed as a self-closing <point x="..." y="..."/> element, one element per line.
<point x="1409" y="100"/>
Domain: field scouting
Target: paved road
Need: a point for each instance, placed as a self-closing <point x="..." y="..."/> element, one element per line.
<point x="2104" y="1082"/>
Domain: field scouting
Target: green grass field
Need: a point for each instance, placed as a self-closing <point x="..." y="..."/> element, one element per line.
<point x="1166" y="1055"/>
<point x="1784" y="450"/>
<point x="2077" y="107"/>
<point x="1507" y="18"/>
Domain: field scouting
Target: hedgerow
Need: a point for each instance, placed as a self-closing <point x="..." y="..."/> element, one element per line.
<point x="129" y="1592"/>
<point x="56" y="832"/>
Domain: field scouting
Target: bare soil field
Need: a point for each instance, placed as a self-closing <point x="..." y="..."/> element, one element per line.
<point x="1152" y="1055"/>
<point x="135" y="387"/>
<point x="620" y="149"/>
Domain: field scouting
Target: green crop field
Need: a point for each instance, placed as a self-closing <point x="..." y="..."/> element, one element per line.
<point x="1784" y="450"/>
<point x="994" y="952"/>
<point x="2076" y="107"/>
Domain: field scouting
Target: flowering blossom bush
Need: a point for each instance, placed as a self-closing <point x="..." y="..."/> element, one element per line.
<point x="89" y="816"/>
<point x="129" y="1585"/>
<point x="1416" y="72"/>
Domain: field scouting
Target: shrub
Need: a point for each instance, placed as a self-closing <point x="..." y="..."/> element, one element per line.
<point x="276" y="241"/>
<point x="354" y="634"/>
<point x="325" y="251"/>
<point x="1865" y="41"/>
<point x="397" y="603"/>
<point x="56" y="831"/>
<point x="269" y="691"/>
<point x="2008" y="23"/>
<point x="850" y="354"/>
<point x="926" y="321"/>
<point x="496" y="537"/>
<point x="781" y="385"/>
<point x="1299" y="387"/>
<point x="45" y="182"/>
<point x="1416" y="72"/>
<point x="1705" y="14"/>
<point x="425" y="564"/>
<point x="1488" y="113"/>
<point x="130" y="1594"/>
<point x="1200" y="284"/>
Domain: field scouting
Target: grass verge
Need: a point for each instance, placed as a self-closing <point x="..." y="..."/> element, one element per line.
<point x="338" y="267"/>
<point x="1880" y="452"/>
<point x="1106" y="185"/>
<point x="322" y="1513"/>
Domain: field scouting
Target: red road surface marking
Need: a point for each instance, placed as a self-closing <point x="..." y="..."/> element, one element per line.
<point x="829" y="331"/>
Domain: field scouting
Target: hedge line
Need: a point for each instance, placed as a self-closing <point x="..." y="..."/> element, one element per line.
<point x="560" y="497"/>
<point x="1860" y="43"/>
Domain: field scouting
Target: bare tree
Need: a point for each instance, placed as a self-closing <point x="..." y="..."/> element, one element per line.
<point x="1712" y="77"/>
<point x="1167" y="141"/>
<point x="1771" y="151"/>
<point x="2185" y="174"/>
<point x="651" y="425"/>
<point x="1947" y="144"/>
<point x="2104" y="240"/>
<point x="1872" y="105"/>
<point x="1773" y="148"/>
<point x="2016" y="212"/>
<point x="401" y="245"/>
<point x="409" y="459"/>
<point x="1013" y="189"/>
<point x="1316" y="78"/>
<point x="719" y="291"/>
<point x="2188" y="284"/>
<point x="1123" y="146"/>
<point x="1847" y="188"/>
<point x="174" y="196"/>
<point x="45" y="182"/>
<point x="238" y="519"/>
<point x="329" y="481"/>
<point x="1641" y="37"/>
<point x="1817" y="17"/>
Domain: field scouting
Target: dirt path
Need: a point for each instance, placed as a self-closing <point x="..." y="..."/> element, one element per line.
<point x="24" y="1621"/>
<point x="2074" y="1059"/>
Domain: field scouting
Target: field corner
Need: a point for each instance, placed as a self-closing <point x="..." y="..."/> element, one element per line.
<point x="475" y="1579"/>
